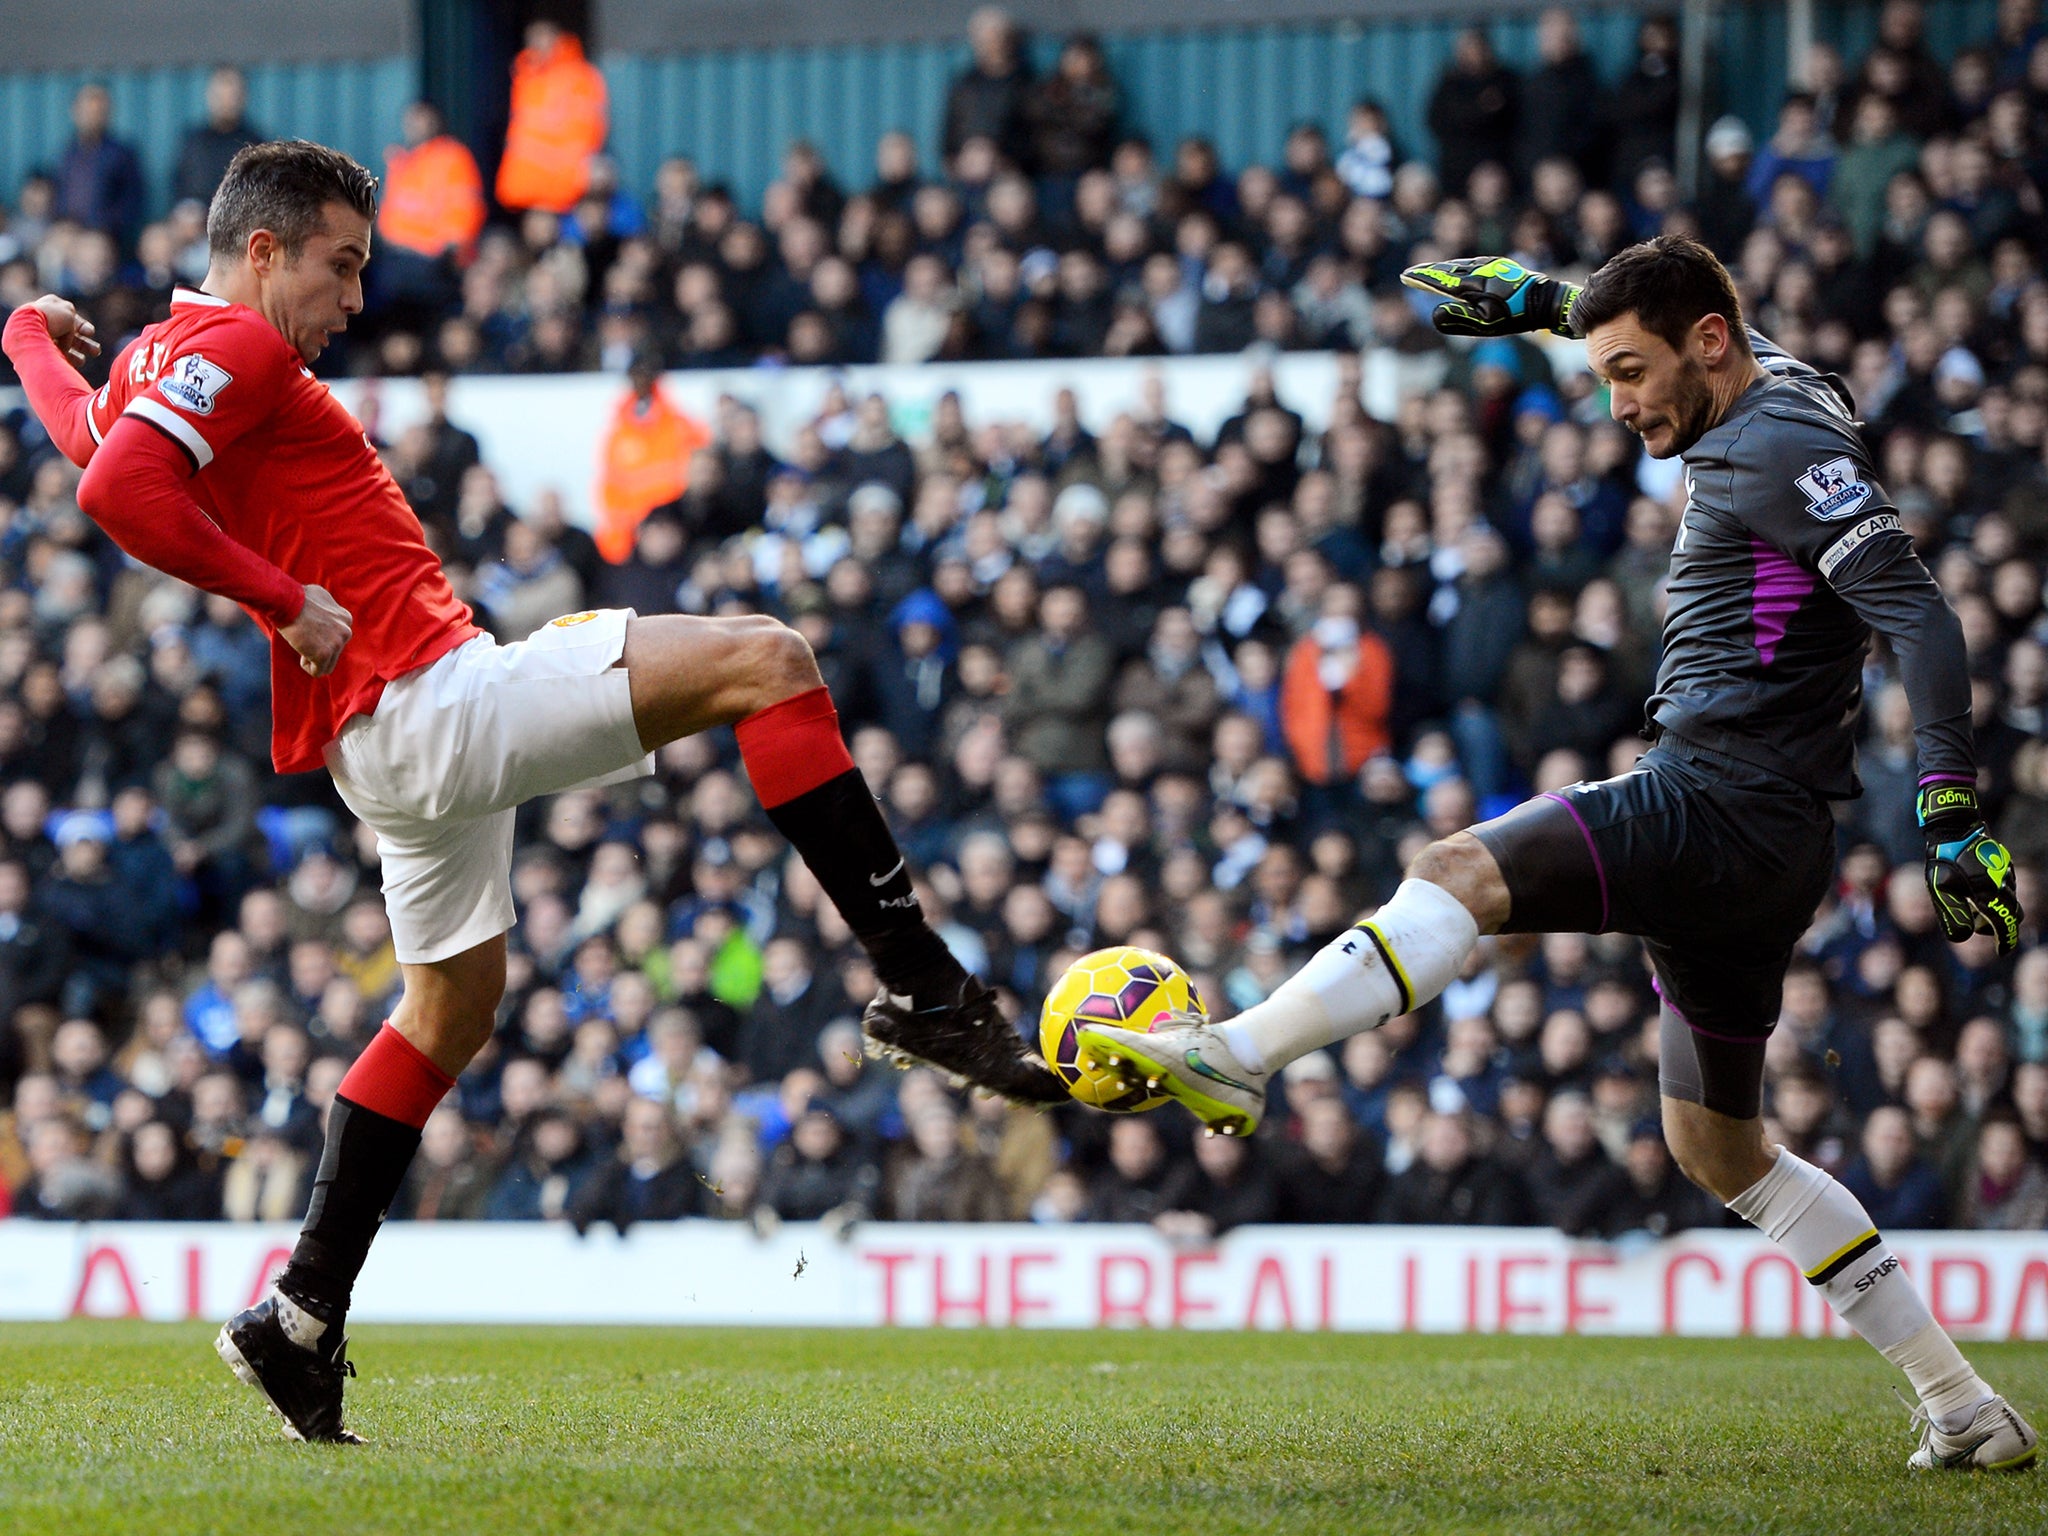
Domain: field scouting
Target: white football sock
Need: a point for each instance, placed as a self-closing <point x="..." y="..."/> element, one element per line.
<point x="1827" y="1233"/>
<point x="1391" y="964"/>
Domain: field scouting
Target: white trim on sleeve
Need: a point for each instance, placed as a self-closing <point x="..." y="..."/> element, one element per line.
<point x="92" y="425"/>
<point x="158" y="414"/>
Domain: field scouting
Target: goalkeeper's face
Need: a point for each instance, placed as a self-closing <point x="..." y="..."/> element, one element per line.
<point x="1658" y="391"/>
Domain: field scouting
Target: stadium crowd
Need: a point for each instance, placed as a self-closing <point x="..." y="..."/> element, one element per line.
<point x="1115" y="683"/>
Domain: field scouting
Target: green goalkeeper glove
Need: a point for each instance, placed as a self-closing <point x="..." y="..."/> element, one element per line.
<point x="1493" y="296"/>
<point x="1969" y="872"/>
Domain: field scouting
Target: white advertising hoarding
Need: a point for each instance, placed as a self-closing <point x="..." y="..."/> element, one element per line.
<point x="1374" y="1279"/>
<point x="545" y="432"/>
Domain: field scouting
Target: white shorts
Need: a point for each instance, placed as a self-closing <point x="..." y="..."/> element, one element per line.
<point x="453" y="748"/>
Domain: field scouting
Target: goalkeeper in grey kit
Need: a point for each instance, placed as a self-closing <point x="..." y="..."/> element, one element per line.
<point x="1719" y="845"/>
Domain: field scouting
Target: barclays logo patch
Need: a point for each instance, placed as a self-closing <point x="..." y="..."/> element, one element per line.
<point x="194" y="384"/>
<point x="1834" y="489"/>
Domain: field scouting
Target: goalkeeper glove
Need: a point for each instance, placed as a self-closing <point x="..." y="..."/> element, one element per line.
<point x="1493" y="296"/>
<point x="1969" y="872"/>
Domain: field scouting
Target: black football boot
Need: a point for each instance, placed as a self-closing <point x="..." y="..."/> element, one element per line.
<point x="303" y="1386"/>
<point x="958" y="1029"/>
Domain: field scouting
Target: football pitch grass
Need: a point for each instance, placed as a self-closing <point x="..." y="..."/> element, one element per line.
<point x="108" y="1428"/>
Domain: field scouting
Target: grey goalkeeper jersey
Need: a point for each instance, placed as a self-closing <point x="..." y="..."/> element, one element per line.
<point x="1790" y="553"/>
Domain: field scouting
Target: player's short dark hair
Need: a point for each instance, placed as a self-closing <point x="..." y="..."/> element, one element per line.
<point x="282" y="187"/>
<point x="1669" y="284"/>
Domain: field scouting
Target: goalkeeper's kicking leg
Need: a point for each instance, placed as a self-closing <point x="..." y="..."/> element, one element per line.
<point x="1720" y="867"/>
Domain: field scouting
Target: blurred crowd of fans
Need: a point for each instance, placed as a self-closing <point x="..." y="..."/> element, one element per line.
<point x="1114" y="683"/>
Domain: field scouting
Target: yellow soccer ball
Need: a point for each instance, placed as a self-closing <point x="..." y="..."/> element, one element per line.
<point x="1130" y="987"/>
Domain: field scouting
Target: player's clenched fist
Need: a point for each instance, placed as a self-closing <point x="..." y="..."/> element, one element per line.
<point x="70" y="332"/>
<point x="1969" y="873"/>
<point x="319" y="632"/>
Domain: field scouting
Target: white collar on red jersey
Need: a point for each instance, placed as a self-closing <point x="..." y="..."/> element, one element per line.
<point x="193" y="296"/>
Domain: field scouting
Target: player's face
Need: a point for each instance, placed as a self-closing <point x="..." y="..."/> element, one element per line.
<point x="317" y="290"/>
<point x="1657" y="391"/>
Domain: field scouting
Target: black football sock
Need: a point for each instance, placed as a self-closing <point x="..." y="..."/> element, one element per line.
<point x="839" y="830"/>
<point x="361" y="1167"/>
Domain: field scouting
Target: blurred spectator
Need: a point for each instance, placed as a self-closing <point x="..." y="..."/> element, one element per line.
<point x="449" y="1180"/>
<point x="648" y="1179"/>
<point x="1140" y="1182"/>
<point x="1645" y="104"/>
<point x="161" y="1184"/>
<point x="1072" y="117"/>
<point x="267" y="1181"/>
<point x="208" y="147"/>
<point x="1727" y="211"/>
<point x="64" y="1183"/>
<point x="648" y="453"/>
<point x="558" y="124"/>
<point x="990" y="99"/>
<point x="2009" y="1192"/>
<point x="1562" y="101"/>
<point x="1231" y="1185"/>
<point x="938" y="1179"/>
<point x="1337" y="1174"/>
<point x="1660" y="1200"/>
<point x="817" y="1173"/>
<point x="1572" y="1183"/>
<point x="1059" y="684"/>
<point x="1452" y="1183"/>
<point x="1800" y="147"/>
<point x="1337" y="692"/>
<point x="1474" y="110"/>
<point x="98" y="179"/>
<point x="1896" y="1185"/>
<point x="431" y="204"/>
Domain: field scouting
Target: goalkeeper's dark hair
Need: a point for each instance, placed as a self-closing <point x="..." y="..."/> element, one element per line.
<point x="1669" y="284"/>
<point x="282" y="187"/>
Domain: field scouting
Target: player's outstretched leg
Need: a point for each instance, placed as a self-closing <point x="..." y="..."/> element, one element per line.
<point x="1390" y="964"/>
<point x="1963" y="1424"/>
<point x="759" y="676"/>
<point x="291" y="1347"/>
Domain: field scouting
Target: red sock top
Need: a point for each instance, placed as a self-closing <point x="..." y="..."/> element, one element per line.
<point x="394" y="1078"/>
<point x="792" y="747"/>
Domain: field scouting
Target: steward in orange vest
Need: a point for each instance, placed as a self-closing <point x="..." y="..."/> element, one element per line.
<point x="433" y="195"/>
<point x="1336" y="692"/>
<point x="558" y="122"/>
<point x="645" y="463"/>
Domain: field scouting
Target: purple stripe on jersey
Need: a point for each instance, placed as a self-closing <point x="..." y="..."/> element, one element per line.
<point x="1948" y="778"/>
<point x="1598" y="868"/>
<point x="1782" y="584"/>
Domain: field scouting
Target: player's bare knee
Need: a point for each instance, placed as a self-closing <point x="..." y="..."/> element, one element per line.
<point x="779" y="661"/>
<point x="1461" y="865"/>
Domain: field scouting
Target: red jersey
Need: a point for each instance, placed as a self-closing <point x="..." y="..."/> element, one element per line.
<point x="286" y="471"/>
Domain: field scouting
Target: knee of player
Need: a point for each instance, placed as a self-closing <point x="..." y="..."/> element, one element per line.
<point x="1461" y="865"/>
<point x="779" y="659"/>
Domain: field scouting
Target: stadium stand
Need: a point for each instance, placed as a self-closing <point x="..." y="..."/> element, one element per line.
<point x="1116" y="682"/>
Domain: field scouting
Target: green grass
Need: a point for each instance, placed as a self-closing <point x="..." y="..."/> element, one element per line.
<point x="111" y="1428"/>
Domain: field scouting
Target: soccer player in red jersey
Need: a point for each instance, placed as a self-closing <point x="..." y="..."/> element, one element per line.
<point x="214" y="455"/>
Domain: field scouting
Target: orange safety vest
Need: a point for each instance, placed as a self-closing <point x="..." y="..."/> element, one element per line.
<point x="558" y="122"/>
<point x="1332" y="734"/>
<point x="433" y="198"/>
<point x="646" y="464"/>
